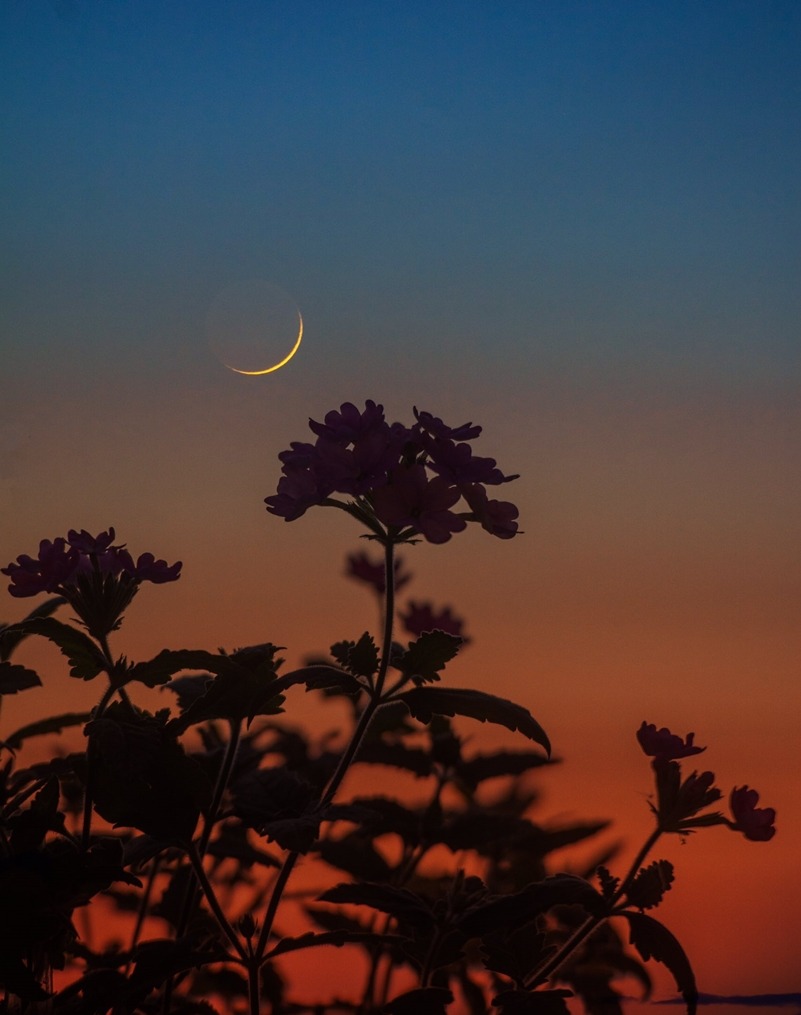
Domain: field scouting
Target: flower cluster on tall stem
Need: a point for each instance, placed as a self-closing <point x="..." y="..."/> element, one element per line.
<point x="97" y="578"/>
<point x="401" y="481"/>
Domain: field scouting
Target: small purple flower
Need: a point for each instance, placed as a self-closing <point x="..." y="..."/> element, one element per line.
<point x="360" y="468"/>
<point x="457" y="463"/>
<point x="298" y="490"/>
<point x="412" y="499"/>
<point x="349" y="423"/>
<point x="498" y="517"/>
<point x="88" y="544"/>
<point x="756" y="823"/>
<point x="435" y="426"/>
<point x="372" y="573"/>
<point x="662" y="745"/>
<point x="420" y="617"/>
<point x="55" y="565"/>
<point x="148" y="569"/>
<point x="301" y="455"/>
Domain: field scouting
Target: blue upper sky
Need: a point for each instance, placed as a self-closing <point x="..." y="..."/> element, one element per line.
<point x="601" y="182"/>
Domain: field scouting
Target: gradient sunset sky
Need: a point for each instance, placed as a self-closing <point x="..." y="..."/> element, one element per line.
<point x="575" y="223"/>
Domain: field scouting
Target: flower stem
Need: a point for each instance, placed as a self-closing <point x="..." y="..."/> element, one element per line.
<point x="347" y="757"/>
<point x="552" y="964"/>
<point x="211" y="898"/>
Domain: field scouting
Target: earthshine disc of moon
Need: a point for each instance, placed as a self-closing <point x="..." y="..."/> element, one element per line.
<point x="253" y="327"/>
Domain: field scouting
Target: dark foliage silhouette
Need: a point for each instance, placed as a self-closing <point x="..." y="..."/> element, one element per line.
<point x="186" y="824"/>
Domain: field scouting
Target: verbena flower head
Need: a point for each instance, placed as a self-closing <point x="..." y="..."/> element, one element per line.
<point x="97" y="578"/>
<point x="402" y="481"/>
<point x="666" y="746"/>
<point x="756" y="823"/>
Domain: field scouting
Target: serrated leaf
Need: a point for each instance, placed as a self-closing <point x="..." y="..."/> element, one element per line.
<point x="55" y="724"/>
<point x="521" y="907"/>
<point x="167" y="663"/>
<point x="405" y="906"/>
<point x="360" y="657"/>
<point x="395" y="755"/>
<point x="236" y="693"/>
<point x="322" y="677"/>
<point x="654" y="941"/>
<point x="85" y="658"/>
<point x="503" y="763"/>
<point x="337" y="938"/>
<point x="142" y="776"/>
<point x="383" y="815"/>
<point x="650" y="884"/>
<point x="425" y="702"/>
<point x="355" y="855"/>
<point x="12" y="634"/>
<point x="15" y="678"/>
<point x="609" y="883"/>
<point x="427" y="656"/>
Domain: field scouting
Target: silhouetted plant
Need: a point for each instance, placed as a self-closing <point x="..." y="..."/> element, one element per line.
<point x="194" y="817"/>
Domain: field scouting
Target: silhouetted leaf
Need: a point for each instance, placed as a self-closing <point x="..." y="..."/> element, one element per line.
<point x="337" y="938"/>
<point x="17" y="678"/>
<point x="142" y="777"/>
<point x="322" y="677"/>
<point x="279" y="804"/>
<point x="158" y="960"/>
<point x="502" y="763"/>
<point x="55" y="724"/>
<point x="404" y="905"/>
<point x="654" y="941"/>
<point x="609" y="884"/>
<point x="650" y="884"/>
<point x="395" y="755"/>
<point x="517" y="952"/>
<point x="245" y="685"/>
<point x="17" y="979"/>
<point x="474" y="831"/>
<point x="427" y="656"/>
<point x="360" y="657"/>
<point x="85" y="658"/>
<point x="330" y="920"/>
<point x="422" y="1001"/>
<point x="29" y="827"/>
<point x="384" y="815"/>
<point x="514" y="910"/>
<point x="232" y="841"/>
<point x="12" y="634"/>
<point x="538" y="1002"/>
<point x="167" y="663"/>
<point x="425" y="702"/>
<point x="189" y="688"/>
<point x="355" y="855"/>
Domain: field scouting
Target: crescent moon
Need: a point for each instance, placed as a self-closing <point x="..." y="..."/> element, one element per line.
<point x="277" y="366"/>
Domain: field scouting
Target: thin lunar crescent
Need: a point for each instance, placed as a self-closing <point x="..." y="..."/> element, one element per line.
<point x="277" y="366"/>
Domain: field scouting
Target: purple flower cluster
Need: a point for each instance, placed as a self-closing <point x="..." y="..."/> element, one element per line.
<point x="61" y="562"/>
<point x="403" y="481"/>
